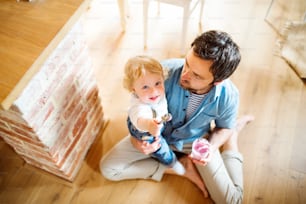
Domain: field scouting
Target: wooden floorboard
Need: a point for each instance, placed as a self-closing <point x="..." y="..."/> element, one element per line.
<point x="273" y="145"/>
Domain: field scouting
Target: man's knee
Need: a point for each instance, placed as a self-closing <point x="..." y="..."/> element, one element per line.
<point x="108" y="172"/>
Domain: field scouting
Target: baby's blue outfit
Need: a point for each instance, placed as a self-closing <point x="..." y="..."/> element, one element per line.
<point x="164" y="154"/>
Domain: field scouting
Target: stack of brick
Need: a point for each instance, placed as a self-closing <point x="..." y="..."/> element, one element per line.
<point x="54" y="121"/>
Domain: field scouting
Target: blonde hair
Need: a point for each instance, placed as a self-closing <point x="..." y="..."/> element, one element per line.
<point x="137" y="67"/>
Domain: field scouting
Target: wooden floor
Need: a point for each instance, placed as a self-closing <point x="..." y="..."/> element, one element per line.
<point x="273" y="145"/>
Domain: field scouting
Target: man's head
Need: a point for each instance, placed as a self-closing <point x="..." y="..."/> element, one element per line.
<point x="213" y="57"/>
<point x="218" y="47"/>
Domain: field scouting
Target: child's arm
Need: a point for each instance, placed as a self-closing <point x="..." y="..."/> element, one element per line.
<point x="151" y="125"/>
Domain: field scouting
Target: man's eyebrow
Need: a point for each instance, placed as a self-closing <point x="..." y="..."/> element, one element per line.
<point x="193" y="71"/>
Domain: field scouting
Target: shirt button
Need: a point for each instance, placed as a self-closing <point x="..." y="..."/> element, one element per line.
<point x="184" y="109"/>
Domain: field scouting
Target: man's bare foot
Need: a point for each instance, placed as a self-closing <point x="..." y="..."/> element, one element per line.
<point x="193" y="175"/>
<point x="243" y="121"/>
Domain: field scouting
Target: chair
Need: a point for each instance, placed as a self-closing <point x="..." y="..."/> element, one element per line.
<point x="187" y="5"/>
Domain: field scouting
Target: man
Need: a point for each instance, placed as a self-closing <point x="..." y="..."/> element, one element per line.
<point x="203" y="103"/>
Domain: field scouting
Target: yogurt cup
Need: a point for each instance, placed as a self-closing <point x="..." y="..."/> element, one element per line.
<point x="200" y="149"/>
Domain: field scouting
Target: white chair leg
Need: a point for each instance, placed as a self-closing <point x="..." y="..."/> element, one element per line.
<point x="184" y="29"/>
<point x="201" y="11"/>
<point x="121" y="5"/>
<point x="145" y="21"/>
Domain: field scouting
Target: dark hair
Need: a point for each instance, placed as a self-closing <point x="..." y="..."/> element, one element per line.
<point x="221" y="49"/>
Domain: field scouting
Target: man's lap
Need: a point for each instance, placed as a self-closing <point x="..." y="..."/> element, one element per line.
<point x="123" y="162"/>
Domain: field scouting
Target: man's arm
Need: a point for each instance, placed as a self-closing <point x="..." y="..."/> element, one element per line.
<point x="218" y="137"/>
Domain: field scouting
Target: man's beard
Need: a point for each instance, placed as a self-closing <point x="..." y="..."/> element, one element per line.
<point x="187" y="87"/>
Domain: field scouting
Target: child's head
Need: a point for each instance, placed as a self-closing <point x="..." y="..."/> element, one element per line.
<point x="144" y="76"/>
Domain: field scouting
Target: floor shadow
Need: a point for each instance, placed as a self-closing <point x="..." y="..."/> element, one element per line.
<point x="110" y="133"/>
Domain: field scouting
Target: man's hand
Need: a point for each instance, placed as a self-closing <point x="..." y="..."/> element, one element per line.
<point x="146" y="147"/>
<point x="201" y="151"/>
<point x="202" y="162"/>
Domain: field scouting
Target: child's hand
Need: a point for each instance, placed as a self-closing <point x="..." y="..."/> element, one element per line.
<point x="154" y="127"/>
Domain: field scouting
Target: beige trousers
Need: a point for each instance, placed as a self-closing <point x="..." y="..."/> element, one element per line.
<point x="223" y="175"/>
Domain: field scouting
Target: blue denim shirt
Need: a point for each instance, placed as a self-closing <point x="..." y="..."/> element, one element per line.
<point x="219" y="105"/>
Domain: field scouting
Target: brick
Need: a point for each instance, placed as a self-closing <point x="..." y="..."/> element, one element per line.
<point x="4" y="124"/>
<point x="21" y="137"/>
<point x="15" y="109"/>
<point x="50" y="133"/>
<point x="61" y="91"/>
<point x="38" y="156"/>
<point x="24" y="132"/>
<point x="54" y="121"/>
<point x="92" y="93"/>
<point x="11" y="141"/>
<point x="76" y="139"/>
<point x="75" y="101"/>
<point x="95" y="104"/>
<point x="50" y="65"/>
<point x="96" y="122"/>
<point x="62" y="141"/>
<point x="13" y="117"/>
<point x="30" y="93"/>
<point x="44" y="115"/>
<point x="71" y="92"/>
<point x="75" y="53"/>
<point x="80" y="124"/>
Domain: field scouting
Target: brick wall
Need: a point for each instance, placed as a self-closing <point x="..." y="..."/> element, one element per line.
<point x="52" y="124"/>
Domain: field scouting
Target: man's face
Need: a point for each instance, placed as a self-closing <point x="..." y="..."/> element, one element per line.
<point x="196" y="76"/>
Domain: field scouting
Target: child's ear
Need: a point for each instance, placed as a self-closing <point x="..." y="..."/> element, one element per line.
<point x="134" y="93"/>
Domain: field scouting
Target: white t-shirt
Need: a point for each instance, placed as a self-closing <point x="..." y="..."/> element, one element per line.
<point x="139" y="109"/>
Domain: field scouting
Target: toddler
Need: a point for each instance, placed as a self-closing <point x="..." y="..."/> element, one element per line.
<point x="144" y="78"/>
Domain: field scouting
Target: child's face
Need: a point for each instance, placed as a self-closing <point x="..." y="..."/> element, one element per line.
<point x="149" y="88"/>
